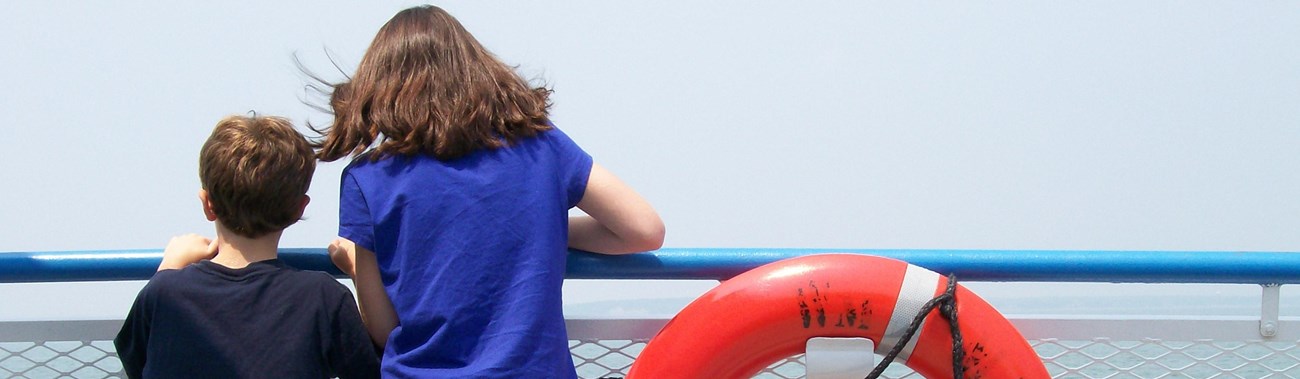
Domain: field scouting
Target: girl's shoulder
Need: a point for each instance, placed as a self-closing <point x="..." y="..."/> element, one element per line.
<point x="367" y="158"/>
<point x="556" y="138"/>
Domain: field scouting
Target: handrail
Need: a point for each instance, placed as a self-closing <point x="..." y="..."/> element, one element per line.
<point x="723" y="263"/>
<point x="975" y="265"/>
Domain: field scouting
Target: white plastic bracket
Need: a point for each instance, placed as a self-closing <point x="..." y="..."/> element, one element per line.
<point x="839" y="358"/>
<point x="1269" y="309"/>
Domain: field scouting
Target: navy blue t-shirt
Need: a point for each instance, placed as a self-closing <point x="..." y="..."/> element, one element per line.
<point x="472" y="253"/>
<point x="266" y="320"/>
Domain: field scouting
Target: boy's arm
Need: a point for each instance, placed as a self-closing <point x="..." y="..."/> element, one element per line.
<point x="351" y="353"/>
<point x="183" y="250"/>
<point x="132" y="341"/>
<point x="618" y="221"/>
<point x="376" y="309"/>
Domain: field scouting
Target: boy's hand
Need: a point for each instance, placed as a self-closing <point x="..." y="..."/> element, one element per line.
<point x="183" y="250"/>
<point x="343" y="253"/>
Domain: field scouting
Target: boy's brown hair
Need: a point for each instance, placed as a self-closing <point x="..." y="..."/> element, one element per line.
<point x="426" y="86"/>
<point x="256" y="171"/>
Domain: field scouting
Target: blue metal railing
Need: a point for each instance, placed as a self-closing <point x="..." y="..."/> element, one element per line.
<point x="722" y="263"/>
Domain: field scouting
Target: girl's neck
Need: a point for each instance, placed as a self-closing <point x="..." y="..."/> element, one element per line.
<point x="235" y="251"/>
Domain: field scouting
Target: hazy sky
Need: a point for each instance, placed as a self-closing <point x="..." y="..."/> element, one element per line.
<point x="1116" y="125"/>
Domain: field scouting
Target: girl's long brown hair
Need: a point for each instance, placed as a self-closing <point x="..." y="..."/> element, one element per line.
<point x="426" y="86"/>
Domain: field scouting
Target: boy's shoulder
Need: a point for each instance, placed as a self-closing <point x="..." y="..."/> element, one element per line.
<point x="305" y="281"/>
<point x="315" y="279"/>
<point x="165" y="281"/>
<point x="205" y="276"/>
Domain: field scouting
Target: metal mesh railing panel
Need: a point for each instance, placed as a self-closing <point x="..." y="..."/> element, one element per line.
<point x="1103" y="358"/>
<point x="1089" y="359"/>
<point x="59" y="359"/>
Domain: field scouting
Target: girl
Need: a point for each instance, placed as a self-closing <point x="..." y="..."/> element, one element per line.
<point x="453" y="215"/>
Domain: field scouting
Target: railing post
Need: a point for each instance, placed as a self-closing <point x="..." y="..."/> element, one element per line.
<point x="1269" y="310"/>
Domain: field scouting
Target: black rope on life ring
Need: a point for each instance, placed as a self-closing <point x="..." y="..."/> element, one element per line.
<point x="947" y="303"/>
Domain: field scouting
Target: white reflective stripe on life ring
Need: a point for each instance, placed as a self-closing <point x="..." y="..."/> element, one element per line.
<point x="918" y="288"/>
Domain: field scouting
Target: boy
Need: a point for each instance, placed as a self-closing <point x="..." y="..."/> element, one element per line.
<point x="242" y="313"/>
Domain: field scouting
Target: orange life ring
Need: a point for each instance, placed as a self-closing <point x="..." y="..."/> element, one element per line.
<point x="768" y="313"/>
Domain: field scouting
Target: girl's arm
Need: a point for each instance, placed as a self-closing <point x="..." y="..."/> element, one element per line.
<point x="618" y="220"/>
<point x="376" y="309"/>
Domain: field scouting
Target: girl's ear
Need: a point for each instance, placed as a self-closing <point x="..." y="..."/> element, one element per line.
<point x="207" y="205"/>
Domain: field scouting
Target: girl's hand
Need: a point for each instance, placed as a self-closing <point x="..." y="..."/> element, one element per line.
<point x="344" y="255"/>
<point x="186" y="249"/>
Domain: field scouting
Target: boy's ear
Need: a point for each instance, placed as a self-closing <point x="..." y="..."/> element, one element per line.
<point x="303" y="208"/>
<point x="207" y="205"/>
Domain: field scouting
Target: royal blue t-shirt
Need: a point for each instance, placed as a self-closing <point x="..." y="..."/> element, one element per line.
<point x="472" y="253"/>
